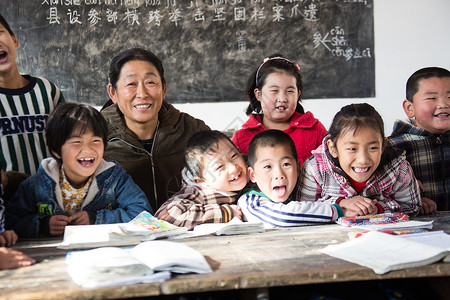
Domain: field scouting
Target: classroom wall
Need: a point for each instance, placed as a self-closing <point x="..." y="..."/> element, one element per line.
<point x="409" y="35"/>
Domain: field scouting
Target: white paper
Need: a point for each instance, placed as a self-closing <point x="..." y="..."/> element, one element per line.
<point x="384" y="252"/>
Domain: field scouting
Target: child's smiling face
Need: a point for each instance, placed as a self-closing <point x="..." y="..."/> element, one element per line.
<point x="431" y="105"/>
<point x="81" y="154"/>
<point x="359" y="153"/>
<point x="275" y="171"/>
<point x="278" y="98"/>
<point x="224" y="168"/>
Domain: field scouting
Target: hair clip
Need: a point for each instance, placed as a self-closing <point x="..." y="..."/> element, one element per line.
<point x="274" y="58"/>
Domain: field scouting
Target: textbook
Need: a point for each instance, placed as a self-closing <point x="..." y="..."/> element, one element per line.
<point x="384" y="252"/>
<point x="235" y="226"/>
<point x="387" y="221"/>
<point x="109" y="266"/>
<point x="147" y="262"/>
<point x="144" y="227"/>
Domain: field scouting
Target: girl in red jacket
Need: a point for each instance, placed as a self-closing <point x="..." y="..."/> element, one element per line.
<point x="274" y="91"/>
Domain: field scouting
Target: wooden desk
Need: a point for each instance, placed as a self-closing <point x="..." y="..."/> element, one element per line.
<point x="280" y="257"/>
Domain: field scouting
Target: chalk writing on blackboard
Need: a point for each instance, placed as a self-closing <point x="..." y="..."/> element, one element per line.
<point x="208" y="47"/>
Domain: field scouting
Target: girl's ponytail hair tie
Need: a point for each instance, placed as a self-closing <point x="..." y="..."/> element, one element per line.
<point x="274" y="58"/>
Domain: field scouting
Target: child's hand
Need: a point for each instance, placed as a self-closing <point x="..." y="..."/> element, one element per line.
<point x="8" y="238"/>
<point x="80" y="218"/>
<point x="358" y="206"/>
<point x="11" y="259"/>
<point x="236" y="211"/>
<point x="57" y="223"/>
<point x="428" y="206"/>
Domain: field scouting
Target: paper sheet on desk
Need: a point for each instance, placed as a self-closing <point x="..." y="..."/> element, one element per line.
<point x="383" y="252"/>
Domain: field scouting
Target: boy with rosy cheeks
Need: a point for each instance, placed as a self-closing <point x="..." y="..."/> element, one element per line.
<point x="75" y="186"/>
<point x="274" y="168"/>
<point x="213" y="177"/>
<point x="426" y="136"/>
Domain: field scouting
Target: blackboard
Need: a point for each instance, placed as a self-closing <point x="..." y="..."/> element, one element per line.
<point x="208" y="47"/>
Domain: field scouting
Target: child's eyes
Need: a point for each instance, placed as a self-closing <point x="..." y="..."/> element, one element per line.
<point x="287" y="164"/>
<point x="351" y="149"/>
<point x="266" y="167"/>
<point x="374" y="148"/>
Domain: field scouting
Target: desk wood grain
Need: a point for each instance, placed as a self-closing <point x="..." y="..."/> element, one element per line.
<point x="279" y="257"/>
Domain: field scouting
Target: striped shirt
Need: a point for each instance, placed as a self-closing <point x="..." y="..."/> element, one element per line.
<point x="255" y="206"/>
<point x="23" y="117"/>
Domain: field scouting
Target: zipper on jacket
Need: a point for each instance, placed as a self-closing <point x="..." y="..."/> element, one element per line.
<point x="153" y="166"/>
<point x="150" y="155"/>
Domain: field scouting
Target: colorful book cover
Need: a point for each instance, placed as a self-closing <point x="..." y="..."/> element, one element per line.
<point x="378" y="219"/>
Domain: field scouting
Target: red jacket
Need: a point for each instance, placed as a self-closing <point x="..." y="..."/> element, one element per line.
<point x="306" y="131"/>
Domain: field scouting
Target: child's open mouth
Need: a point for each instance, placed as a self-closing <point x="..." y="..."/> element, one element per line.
<point x="236" y="177"/>
<point x="86" y="162"/>
<point x="3" y="56"/>
<point x="442" y="115"/>
<point x="361" y="170"/>
<point x="280" y="191"/>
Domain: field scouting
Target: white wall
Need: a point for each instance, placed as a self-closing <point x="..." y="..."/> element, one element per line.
<point x="409" y="35"/>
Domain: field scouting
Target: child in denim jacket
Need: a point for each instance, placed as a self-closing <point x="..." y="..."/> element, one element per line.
<point x="75" y="186"/>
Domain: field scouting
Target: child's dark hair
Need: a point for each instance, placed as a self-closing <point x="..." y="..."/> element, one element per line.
<point x="269" y="138"/>
<point x="68" y="117"/>
<point x="6" y="25"/>
<point x="412" y="85"/>
<point x="129" y="55"/>
<point x="272" y="64"/>
<point x="200" y="144"/>
<point x="354" y="116"/>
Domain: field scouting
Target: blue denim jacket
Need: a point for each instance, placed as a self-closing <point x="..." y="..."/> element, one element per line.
<point x="113" y="196"/>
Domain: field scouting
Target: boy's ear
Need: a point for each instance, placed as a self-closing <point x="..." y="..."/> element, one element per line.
<point x="16" y="41"/>
<point x="332" y="148"/>
<point x="385" y="142"/>
<point x="251" y="174"/>
<point x="408" y="108"/>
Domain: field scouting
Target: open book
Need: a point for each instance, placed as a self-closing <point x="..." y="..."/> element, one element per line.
<point x="144" y="227"/>
<point x="147" y="262"/>
<point x="384" y="252"/>
<point x="235" y="226"/>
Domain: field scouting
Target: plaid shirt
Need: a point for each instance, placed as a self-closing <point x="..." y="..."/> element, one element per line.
<point x="2" y="211"/>
<point x="196" y="204"/>
<point x="429" y="156"/>
<point x="392" y="185"/>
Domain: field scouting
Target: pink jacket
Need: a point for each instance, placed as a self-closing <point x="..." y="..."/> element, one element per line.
<point x="306" y="131"/>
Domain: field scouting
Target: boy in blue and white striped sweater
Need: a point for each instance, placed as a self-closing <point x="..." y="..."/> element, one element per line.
<point x="274" y="169"/>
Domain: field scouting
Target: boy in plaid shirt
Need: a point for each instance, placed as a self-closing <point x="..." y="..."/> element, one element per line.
<point x="213" y="176"/>
<point x="426" y="137"/>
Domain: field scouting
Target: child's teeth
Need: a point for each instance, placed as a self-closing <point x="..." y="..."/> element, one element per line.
<point x="360" y="169"/>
